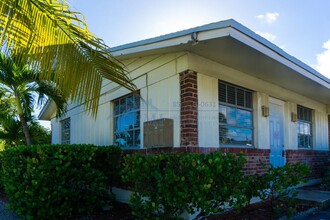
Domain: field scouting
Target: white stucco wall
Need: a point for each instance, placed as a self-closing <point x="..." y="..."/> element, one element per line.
<point x="209" y="74"/>
<point x="157" y="79"/>
<point x="320" y="130"/>
<point x="260" y="124"/>
<point x="56" y="131"/>
<point x="290" y="128"/>
<point x="163" y="100"/>
<point x="208" y="111"/>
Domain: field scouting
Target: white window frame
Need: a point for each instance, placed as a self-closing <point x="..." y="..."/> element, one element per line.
<point x="66" y="131"/>
<point x="305" y="120"/>
<point x="246" y="106"/>
<point x="134" y="129"/>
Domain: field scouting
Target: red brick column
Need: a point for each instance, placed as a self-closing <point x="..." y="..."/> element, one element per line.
<point x="189" y="109"/>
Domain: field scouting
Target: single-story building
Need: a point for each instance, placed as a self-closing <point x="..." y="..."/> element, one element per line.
<point x="219" y="86"/>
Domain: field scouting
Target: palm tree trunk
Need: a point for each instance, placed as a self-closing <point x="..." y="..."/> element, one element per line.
<point x="25" y="129"/>
<point x="23" y="121"/>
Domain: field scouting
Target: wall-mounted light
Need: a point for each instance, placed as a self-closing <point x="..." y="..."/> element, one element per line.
<point x="293" y="117"/>
<point x="265" y="111"/>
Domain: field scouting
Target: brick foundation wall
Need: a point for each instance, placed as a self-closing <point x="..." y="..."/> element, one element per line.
<point x="189" y="109"/>
<point x="316" y="159"/>
<point x="255" y="157"/>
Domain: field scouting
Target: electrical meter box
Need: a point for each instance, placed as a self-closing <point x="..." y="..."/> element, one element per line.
<point x="158" y="133"/>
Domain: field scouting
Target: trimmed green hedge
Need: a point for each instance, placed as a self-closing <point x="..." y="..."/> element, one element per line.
<point x="166" y="185"/>
<point x="55" y="181"/>
<point x="60" y="182"/>
<point x="1" y="174"/>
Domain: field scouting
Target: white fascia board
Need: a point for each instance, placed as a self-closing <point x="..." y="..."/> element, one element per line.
<point x="177" y="41"/>
<point x="153" y="46"/>
<point x="280" y="56"/>
<point x="212" y="34"/>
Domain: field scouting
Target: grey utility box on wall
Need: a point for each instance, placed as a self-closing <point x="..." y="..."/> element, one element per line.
<point x="158" y="133"/>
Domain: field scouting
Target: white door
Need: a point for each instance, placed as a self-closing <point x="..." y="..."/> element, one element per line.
<point x="276" y="129"/>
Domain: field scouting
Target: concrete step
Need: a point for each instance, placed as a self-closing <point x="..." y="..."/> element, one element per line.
<point x="318" y="198"/>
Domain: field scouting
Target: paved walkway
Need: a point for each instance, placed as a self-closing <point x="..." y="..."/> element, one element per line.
<point x="319" y="215"/>
<point x="317" y="198"/>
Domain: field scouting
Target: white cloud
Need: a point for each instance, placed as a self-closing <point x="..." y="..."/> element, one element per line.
<point x="267" y="35"/>
<point x="283" y="46"/>
<point x="323" y="60"/>
<point x="269" y="17"/>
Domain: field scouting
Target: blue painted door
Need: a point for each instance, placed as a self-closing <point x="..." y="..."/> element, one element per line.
<point x="276" y="130"/>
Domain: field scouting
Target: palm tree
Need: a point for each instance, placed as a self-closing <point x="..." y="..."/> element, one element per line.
<point x="10" y="130"/>
<point x="24" y="87"/>
<point x="51" y="36"/>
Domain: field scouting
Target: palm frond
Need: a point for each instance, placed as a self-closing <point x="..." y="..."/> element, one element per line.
<point x="27" y="102"/>
<point x="10" y="128"/>
<point x="46" y="90"/>
<point x="51" y="36"/>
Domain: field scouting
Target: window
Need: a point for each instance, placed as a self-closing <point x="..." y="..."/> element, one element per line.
<point x="304" y="127"/>
<point x="65" y="131"/>
<point x="127" y="121"/>
<point x="235" y="115"/>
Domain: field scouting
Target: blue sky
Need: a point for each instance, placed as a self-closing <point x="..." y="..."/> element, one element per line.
<point x="301" y="28"/>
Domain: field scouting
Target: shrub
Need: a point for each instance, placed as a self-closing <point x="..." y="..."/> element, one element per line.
<point x="166" y="185"/>
<point x="53" y="181"/>
<point x="1" y="173"/>
<point x="278" y="184"/>
<point x="326" y="178"/>
<point x="109" y="161"/>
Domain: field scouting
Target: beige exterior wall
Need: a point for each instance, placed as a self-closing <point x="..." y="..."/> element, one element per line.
<point x="56" y="131"/>
<point x="208" y="113"/>
<point x="210" y="72"/>
<point x="157" y="79"/>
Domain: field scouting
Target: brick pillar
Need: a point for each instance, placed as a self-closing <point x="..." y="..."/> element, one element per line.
<point x="189" y="109"/>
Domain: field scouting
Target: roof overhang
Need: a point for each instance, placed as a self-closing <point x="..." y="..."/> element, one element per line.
<point x="235" y="46"/>
<point x="47" y="111"/>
